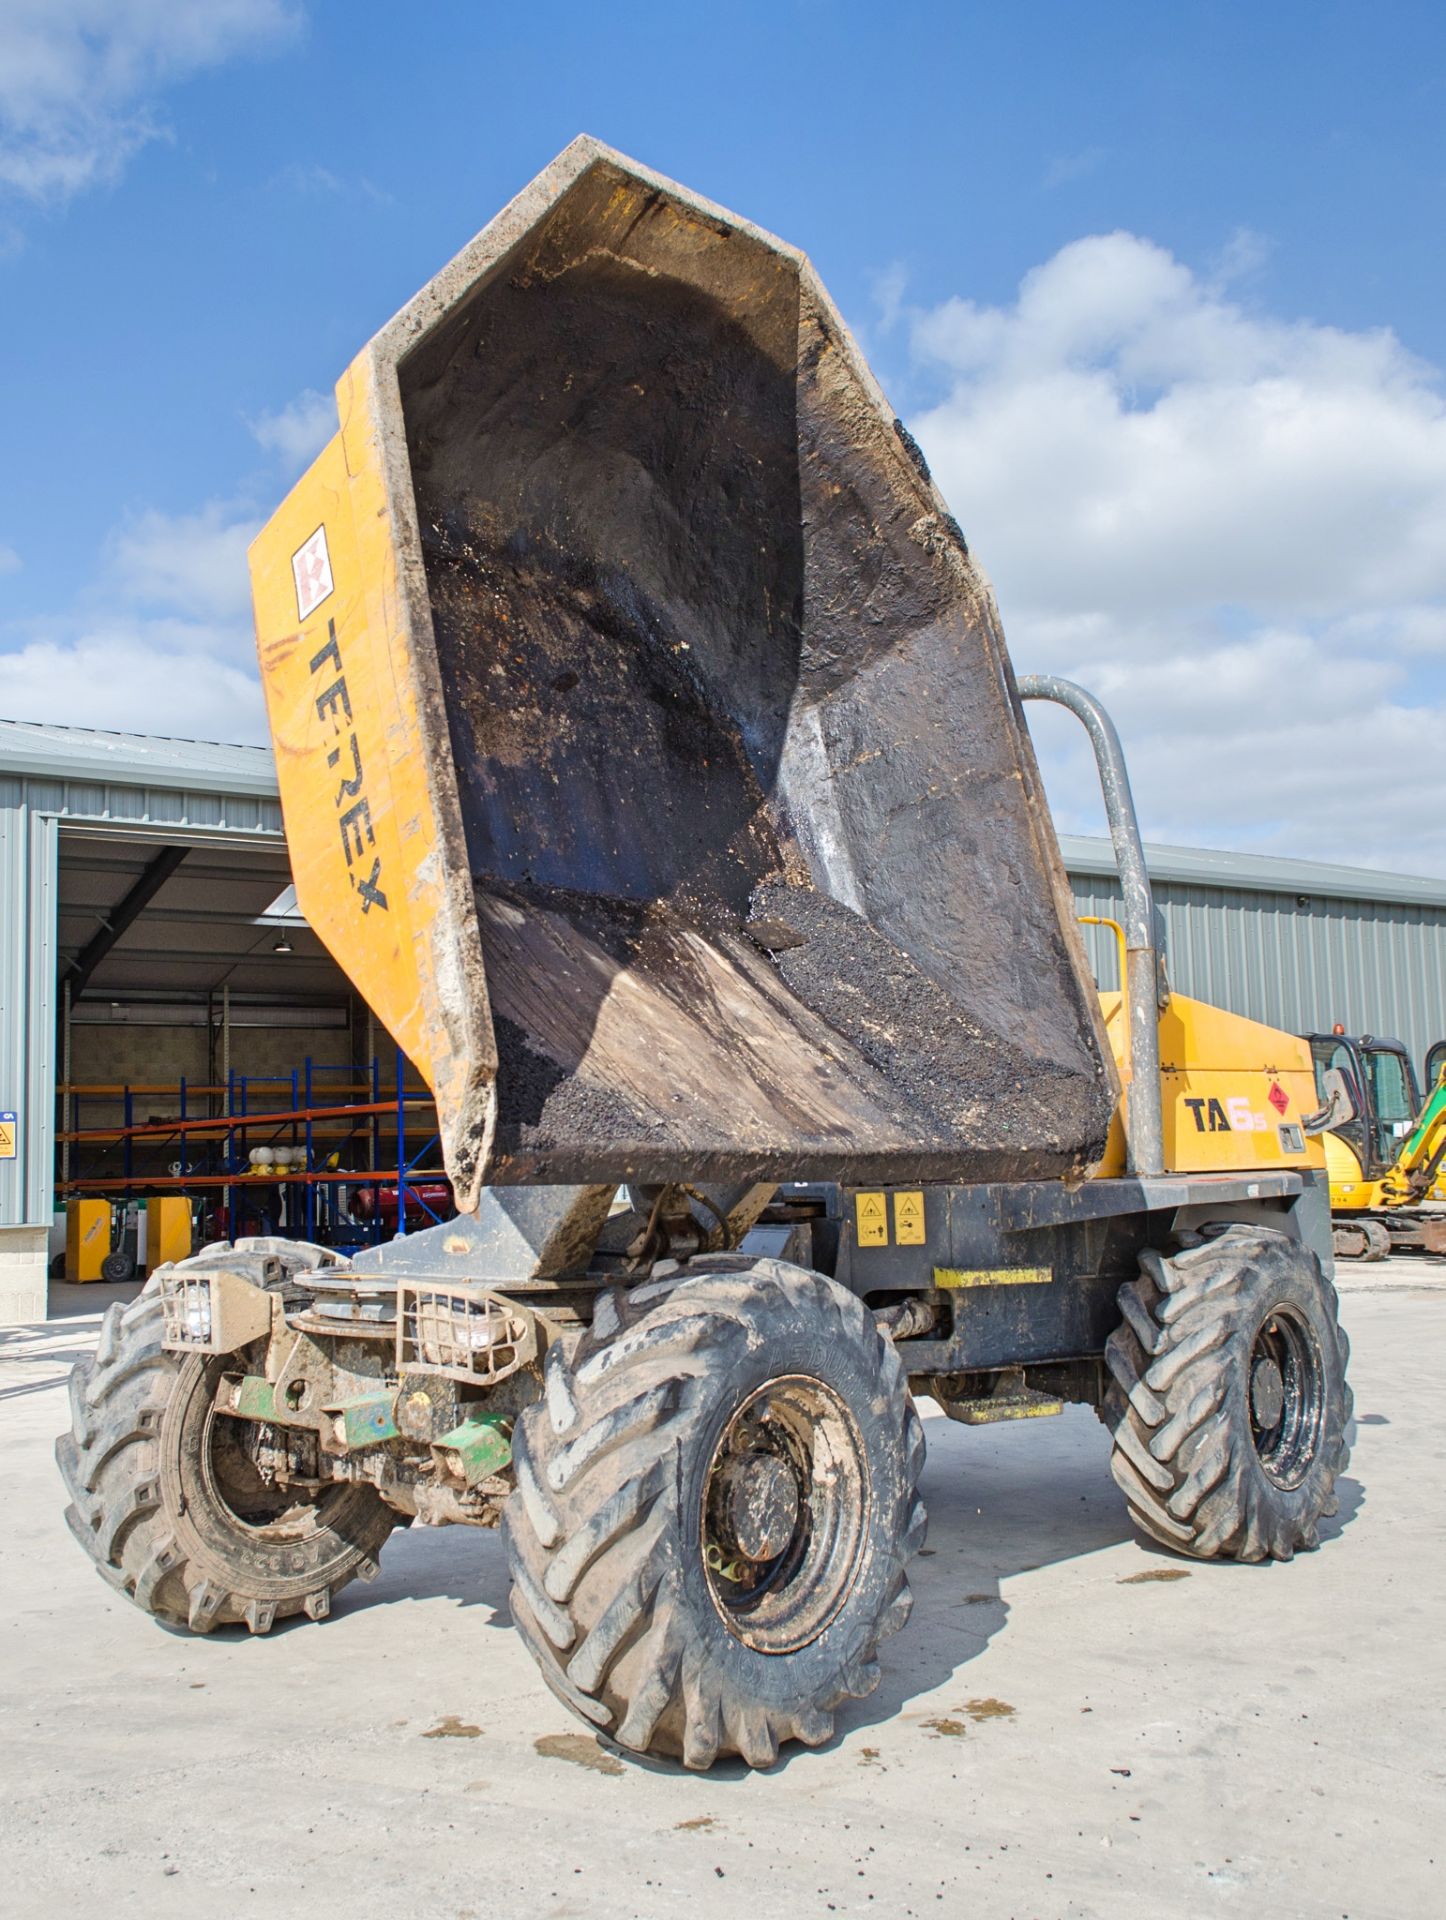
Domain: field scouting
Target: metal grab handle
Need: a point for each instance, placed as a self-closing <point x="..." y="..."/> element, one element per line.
<point x="1144" y="1112"/>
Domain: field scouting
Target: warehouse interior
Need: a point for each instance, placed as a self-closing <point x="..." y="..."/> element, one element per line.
<point x="190" y="988"/>
<point x="149" y="936"/>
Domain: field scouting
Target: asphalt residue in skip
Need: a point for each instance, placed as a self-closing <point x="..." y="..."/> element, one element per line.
<point x="867" y="1055"/>
<point x="975" y="1088"/>
<point x="540" y="1100"/>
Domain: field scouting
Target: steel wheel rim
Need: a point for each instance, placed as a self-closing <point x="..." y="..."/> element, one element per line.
<point x="784" y="1514"/>
<point x="1285" y="1394"/>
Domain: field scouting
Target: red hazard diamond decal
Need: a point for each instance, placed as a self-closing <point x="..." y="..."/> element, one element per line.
<point x="311" y="568"/>
<point x="1278" y="1097"/>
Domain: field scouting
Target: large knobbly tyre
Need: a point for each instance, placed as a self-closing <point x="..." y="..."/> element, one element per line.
<point x="715" y="1506"/>
<point x="166" y="1501"/>
<point x="1228" y="1398"/>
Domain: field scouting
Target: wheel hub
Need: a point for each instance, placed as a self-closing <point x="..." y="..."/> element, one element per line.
<point x="1287" y="1397"/>
<point x="757" y="1502"/>
<point x="784" y="1514"/>
<point x="1267" y="1393"/>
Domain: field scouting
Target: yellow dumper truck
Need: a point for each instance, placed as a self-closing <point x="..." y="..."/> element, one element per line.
<point x="652" y="762"/>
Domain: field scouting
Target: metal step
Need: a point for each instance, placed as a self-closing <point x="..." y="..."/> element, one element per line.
<point x="1009" y="1398"/>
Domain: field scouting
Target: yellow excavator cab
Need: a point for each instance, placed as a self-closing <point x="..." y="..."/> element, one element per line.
<point x="1384" y="1161"/>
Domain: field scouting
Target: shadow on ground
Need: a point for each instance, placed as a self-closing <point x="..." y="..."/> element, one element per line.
<point x="1001" y="1503"/>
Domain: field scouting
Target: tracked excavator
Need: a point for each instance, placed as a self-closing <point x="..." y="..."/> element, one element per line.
<point x="652" y="762"/>
<point x="1384" y="1146"/>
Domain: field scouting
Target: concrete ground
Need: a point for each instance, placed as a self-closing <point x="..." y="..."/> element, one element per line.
<point x="1073" y="1724"/>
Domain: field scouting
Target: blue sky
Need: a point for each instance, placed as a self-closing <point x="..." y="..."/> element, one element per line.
<point x="1162" y="290"/>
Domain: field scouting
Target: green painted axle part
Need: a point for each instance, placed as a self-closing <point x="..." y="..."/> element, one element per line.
<point x="477" y="1448"/>
<point x="366" y="1421"/>
<point x="255" y="1399"/>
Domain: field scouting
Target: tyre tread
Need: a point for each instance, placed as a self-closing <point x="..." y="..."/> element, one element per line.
<point x="1187" y="1473"/>
<point x="111" y="1465"/>
<point x="596" y="1590"/>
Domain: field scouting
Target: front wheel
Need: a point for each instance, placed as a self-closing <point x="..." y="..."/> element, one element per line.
<point x="1228" y="1399"/>
<point x="169" y="1500"/>
<point x="715" y="1505"/>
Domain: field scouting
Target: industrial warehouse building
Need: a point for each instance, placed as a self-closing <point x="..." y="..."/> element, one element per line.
<point x="152" y="962"/>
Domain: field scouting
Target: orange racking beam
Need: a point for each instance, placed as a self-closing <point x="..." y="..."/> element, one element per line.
<point x="233" y="1122"/>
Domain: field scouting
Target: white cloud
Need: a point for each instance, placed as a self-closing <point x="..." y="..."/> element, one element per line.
<point x="79" y="79"/>
<point x="1241" y="258"/>
<point x="297" y="432"/>
<point x="191" y="563"/>
<point x="10" y="561"/>
<point x="1227" y="524"/>
<point x="134" y="677"/>
<point x="164" y="644"/>
<point x="299" y="176"/>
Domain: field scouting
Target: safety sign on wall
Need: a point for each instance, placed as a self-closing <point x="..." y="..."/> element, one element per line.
<point x="9" y="1136"/>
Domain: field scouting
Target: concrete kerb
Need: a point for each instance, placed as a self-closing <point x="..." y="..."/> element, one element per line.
<point x="24" y="1252"/>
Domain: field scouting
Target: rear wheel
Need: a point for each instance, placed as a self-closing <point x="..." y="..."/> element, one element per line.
<point x="1228" y="1399"/>
<point x="172" y="1503"/>
<point x="716" y="1502"/>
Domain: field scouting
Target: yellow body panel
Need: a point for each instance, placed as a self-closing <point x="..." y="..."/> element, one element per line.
<point x="1235" y="1091"/>
<point x="168" y="1230"/>
<point x="357" y="766"/>
<point x="87" y="1239"/>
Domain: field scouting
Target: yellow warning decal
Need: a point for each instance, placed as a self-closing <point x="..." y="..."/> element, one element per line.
<point x="992" y="1276"/>
<point x="871" y="1214"/>
<point x="909" y="1219"/>
<point x="9" y="1135"/>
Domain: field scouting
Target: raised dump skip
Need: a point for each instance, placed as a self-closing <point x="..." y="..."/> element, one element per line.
<point x="729" y="820"/>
